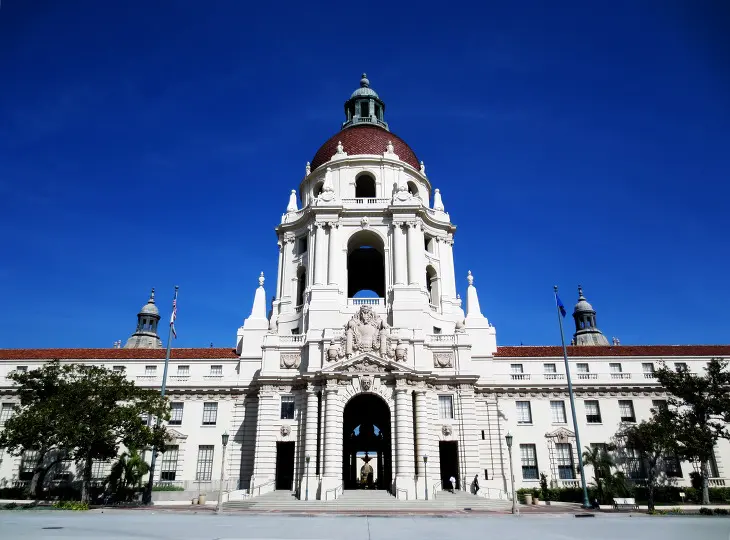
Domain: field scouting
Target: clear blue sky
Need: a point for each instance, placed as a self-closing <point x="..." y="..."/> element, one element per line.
<point x="155" y="143"/>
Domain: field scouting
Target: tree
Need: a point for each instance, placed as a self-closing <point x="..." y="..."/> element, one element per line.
<point x="700" y="407"/>
<point x="93" y="412"/>
<point x="599" y="458"/>
<point x="127" y="474"/>
<point x="650" y="441"/>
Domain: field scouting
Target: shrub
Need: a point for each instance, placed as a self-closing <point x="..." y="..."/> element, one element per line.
<point x="705" y="511"/>
<point x="12" y="493"/>
<point x="167" y="487"/>
<point x="70" y="505"/>
<point x="721" y="511"/>
<point x="10" y="506"/>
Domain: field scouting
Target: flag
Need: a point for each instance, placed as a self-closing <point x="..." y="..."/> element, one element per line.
<point x="561" y="307"/>
<point x="173" y="317"/>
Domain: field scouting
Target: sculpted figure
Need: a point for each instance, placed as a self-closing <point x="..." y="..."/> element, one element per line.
<point x="366" y="332"/>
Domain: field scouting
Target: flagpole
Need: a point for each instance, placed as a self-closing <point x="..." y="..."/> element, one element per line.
<point x="572" y="403"/>
<point x="148" y="490"/>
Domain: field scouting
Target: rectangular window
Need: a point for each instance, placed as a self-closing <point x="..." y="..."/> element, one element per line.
<point x="615" y="367"/>
<point x="176" y="413"/>
<point x="168" y="469"/>
<point x="483" y="437"/>
<point x="183" y="371"/>
<point x="593" y="412"/>
<point x="634" y="465"/>
<point x="680" y="366"/>
<point x="647" y="367"/>
<point x="150" y="371"/>
<point x="672" y="467"/>
<point x="626" y="408"/>
<point x="582" y="368"/>
<point x="27" y="464"/>
<point x="21" y="369"/>
<point x="516" y="368"/>
<point x="528" y="458"/>
<point x="216" y="371"/>
<point x="302" y="245"/>
<point x="557" y="411"/>
<point x="659" y="404"/>
<point x="204" y="470"/>
<point x="486" y="474"/>
<point x="99" y="469"/>
<point x="287" y="407"/>
<point x="550" y="368"/>
<point x="446" y="407"/>
<point x="524" y="414"/>
<point x="564" y="456"/>
<point x="5" y="413"/>
<point x="210" y="413"/>
<point x="118" y="369"/>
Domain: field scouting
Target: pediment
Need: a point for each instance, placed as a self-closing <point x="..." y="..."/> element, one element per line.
<point x="175" y="435"/>
<point x="561" y="434"/>
<point x="366" y="363"/>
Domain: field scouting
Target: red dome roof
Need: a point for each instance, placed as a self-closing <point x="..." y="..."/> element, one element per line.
<point x="364" y="139"/>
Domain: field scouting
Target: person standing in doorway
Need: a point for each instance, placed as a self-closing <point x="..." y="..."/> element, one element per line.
<point x="452" y="480"/>
<point x="475" y="484"/>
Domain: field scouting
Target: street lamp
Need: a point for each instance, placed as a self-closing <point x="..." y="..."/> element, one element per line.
<point x="508" y="438"/>
<point x="224" y="440"/>
<point x="306" y="496"/>
<point x="425" y="474"/>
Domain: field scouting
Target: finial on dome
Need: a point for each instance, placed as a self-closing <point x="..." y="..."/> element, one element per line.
<point x="292" y="206"/>
<point x="364" y="82"/>
<point x="152" y="297"/>
<point x="389" y="149"/>
<point x="340" y="148"/>
<point x="308" y="168"/>
<point x="470" y="278"/>
<point x="423" y="169"/>
<point x="438" y="203"/>
<point x="261" y="280"/>
<point x="580" y="293"/>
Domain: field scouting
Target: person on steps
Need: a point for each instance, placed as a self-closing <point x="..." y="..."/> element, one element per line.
<point x="452" y="480"/>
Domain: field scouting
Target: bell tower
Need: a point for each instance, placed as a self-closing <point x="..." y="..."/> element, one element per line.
<point x="145" y="336"/>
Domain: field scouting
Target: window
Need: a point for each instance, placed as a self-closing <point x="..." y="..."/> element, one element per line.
<point x="27" y="464"/>
<point x="287" y="407"/>
<point x="672" y="467"/>
<point x="659" y="404"/>
<point x="216" y="371"/>
<point x="483" y="436"/>
<point x="150" y="371"/>
<point x="634" y="465"/>
<point x="99" y="469"/>
<point x="486" y="474"/>
<point x="365" y="186"/>
<point x="647" y="367"/>
<point x="204" y="470"/>
<point x="176" y="413"/>
<point x="436" y="330"/>
<point x="524" y="414"/>
<point x="118" y="369"/>
<point x="564" y="457"/>
<point x="680" y="366"/>
<point x="593" y="412"/>
<point x="302" y="242"/>
<point x="615" y="367"/>
<point x="446" y="407"/>
<point x="549" y="368"/>
<point x="582" y="368"/>
<point x="557" y="411"/>
<point x="183" y="371"/>
<point x="168" y="469"/>
<point x="5" y="413"/>
<point x="626" y="408"/>
<point x="528" y="457"/>
<point x="210" y="413"/>
<point x="516" y="368"/>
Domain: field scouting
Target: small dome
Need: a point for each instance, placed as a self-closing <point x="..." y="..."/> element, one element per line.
<point x="364" y="89"/>
<point x="582" y="304"/>
<point x="150" y="308"/>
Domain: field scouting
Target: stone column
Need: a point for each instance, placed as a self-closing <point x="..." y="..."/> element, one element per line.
<point x="446" y="256"/>
<point x="320" y="255"/>
<point x="404" y="472"/>
<point x="279" y="279"/>
<point x="332" y="266"/>
<point x="332" y="434"/>
<point x="309" y="482"/>
<point x="422" y="441"/>
<point x="416" y="270"/>
<point x="266" y="423"/>
<point x="399" y="252"/>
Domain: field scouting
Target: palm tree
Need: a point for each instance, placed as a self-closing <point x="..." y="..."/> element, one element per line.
<point x="127" y="474"/>
<point x="602" y="462"/>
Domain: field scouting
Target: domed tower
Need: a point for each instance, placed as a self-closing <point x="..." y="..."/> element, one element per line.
<point x="586" y="331"/>
<point x="145" y="336"/>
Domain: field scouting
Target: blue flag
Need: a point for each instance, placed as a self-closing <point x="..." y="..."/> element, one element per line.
<point x="561" y="307"/>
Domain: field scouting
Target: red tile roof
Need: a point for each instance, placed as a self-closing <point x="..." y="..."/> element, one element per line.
<point x="620" y="350"/>
<point x="113" y="354"/>
<point x="364" y="139"/>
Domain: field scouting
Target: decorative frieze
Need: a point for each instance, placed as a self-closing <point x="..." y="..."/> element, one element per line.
<point x="443" y="359"/>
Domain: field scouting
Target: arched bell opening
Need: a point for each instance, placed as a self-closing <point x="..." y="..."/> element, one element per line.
<point x="367" y="461"/>
<point x="365" y="186"/>
<point x="301" y="285"/>
<point x="365" y="266"/>
<point x="432" y="284"/>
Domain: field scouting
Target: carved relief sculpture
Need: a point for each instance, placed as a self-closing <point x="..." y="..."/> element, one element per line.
<point x="442" y="359"/>
<point x="290" y="360"/>
<point x="285" y="431"/>
<point x="366" y="332"/>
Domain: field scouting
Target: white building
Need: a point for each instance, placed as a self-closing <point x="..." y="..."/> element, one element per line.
<point x="402" y="372"/>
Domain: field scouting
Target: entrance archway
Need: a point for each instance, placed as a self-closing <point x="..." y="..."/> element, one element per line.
<point x="366" y="429"/>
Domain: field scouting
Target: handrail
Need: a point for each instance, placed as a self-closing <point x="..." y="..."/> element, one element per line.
<point x="261" y="485"/>
<point x="398" y="490"/>
<point x="326" y="493"/>
<point x="486" y="492"/>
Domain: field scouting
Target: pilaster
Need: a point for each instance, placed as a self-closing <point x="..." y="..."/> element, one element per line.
<point x="405" y="466"/>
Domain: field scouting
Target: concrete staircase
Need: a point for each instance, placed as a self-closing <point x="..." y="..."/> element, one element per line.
<point x="368" y="501"/>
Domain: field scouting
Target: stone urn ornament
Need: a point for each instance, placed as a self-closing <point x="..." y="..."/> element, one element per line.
<point x="333" y="352"/>
<point x="401" y="351"/>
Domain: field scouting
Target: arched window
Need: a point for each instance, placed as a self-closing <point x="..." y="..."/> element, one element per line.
<point x="365" y="186"/>
<point x="317" y="189"/>
<point x="432" y="284"/>
<point x="413" y="188"/>
<point x="365" y="265"/>
<point x="301" y="284"/>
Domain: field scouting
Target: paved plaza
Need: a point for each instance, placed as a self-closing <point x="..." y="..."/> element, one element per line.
<point x="141" y="525"/>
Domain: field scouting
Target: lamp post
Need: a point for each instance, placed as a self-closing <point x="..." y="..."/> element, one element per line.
<point x="425" y="474"/>
<point x="306" y="496"/>
<point x="508" y="438"/>
<point x="224" y="440"/>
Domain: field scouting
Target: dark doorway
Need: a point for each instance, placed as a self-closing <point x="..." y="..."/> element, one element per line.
<point x="366" y="429"/>
<point x="449" y="454"/>
<point x="284" y="465"/>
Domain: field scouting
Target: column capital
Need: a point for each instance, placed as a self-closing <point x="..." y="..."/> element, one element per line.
<point x="331" y="386"/>
<point x="287" y="237"/>
<point x="414" y="224"/>
<point x="319" y="224"/>
<point x="312" y="388"/>
<point x="333" y="224"/>
<point x="401" y="385"/>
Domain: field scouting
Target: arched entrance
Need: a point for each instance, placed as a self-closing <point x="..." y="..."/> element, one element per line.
<point x="366" y="429"/>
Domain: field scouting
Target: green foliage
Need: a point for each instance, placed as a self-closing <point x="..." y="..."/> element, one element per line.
<point x="706" y="511"/>
<point x="167" y="487"/>
<point x="695" y="479"/>
<point x="544" y="492"/>
<point x="721" y="512"/>
<point x="10" y="506"/>
<point x="88" y="411"/>
<point x="126" y="475"/>
<point x="71" y="505"/>
<point x="602" y="462"/>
